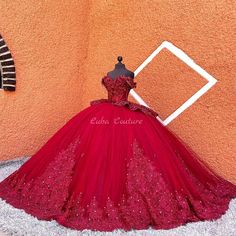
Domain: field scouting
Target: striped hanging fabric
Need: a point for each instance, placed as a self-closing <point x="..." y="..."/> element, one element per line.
<point x="7" y="68"/>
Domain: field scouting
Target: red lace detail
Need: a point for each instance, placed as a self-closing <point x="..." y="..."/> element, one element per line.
<point x="147" y="200"/>
<point x="118" y="88"/>
<point x="118" y="91"/>
<point x="107" y="81"/>
<point x="165" y="207"/>
<point x="39" y="196"/>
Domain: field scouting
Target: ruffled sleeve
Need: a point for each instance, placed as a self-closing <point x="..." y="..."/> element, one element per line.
<point x="130" y="82"/>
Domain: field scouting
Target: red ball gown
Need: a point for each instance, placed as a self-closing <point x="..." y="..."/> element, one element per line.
<point x="115" y="166"/>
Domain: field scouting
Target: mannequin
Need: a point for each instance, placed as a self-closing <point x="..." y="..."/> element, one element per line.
<point x="120" y="69"/>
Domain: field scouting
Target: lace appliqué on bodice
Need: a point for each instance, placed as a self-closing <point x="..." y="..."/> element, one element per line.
<point x="118" y="90"/>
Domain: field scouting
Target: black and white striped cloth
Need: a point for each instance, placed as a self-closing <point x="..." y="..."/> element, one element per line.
<point x="7" y="68"/>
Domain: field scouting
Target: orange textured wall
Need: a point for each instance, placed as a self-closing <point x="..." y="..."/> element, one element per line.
<point x="63" y="48"/>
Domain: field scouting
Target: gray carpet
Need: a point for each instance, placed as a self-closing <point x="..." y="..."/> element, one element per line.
<point x="18" y="223"/>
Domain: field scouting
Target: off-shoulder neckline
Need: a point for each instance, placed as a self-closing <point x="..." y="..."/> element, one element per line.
<point x="117" y="77"/>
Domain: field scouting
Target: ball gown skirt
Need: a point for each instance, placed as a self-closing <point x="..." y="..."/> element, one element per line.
<point x="115" y="166"/>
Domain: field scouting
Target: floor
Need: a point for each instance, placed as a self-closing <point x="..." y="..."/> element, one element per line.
<point x="2" y="234"/>
<point x="16" y="222"/>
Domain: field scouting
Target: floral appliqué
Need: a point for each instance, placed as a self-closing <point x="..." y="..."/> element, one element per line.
<point x="118" y="90"/>
<point x="148" y="199"/>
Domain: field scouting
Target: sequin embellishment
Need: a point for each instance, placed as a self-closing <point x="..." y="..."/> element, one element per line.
<point x="118" y="91"/>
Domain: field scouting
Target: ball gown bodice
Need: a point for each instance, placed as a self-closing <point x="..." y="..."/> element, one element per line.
<point x="117" y="93"/>
<point x="118" y="88"/>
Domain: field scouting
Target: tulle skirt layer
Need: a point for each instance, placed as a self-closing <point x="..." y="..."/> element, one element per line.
<point x="112" y="168"/>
